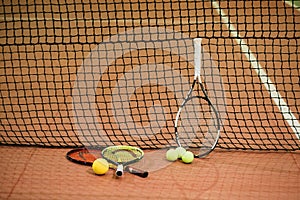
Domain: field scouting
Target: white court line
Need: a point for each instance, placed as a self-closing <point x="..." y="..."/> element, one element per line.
<point x="270" y="87"/>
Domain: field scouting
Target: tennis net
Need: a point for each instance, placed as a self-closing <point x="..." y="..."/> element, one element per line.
<point x="129" y="60"/>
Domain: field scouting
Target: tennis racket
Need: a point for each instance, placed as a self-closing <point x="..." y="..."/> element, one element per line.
<point x="197" y="120"/>
<point x="86" y="157"/>
<point x="122" y="156"/>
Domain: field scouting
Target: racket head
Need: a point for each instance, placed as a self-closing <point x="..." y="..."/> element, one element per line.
<point x="198" y="125"/>
<point x="122" y="154"/>
<point x="83" y="156"/>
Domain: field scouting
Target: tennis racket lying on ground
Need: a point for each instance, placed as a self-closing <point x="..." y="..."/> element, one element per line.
<point x="86" y="157"/>
<point x="199" y="120"/>
<point x="122" y="156"/>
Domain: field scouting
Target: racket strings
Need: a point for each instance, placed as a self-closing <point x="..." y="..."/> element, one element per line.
<point x="86" y="155"/>
<point x="122" y="155"/>
<point x="198" y="123"/>
<point x="83" y="156"/>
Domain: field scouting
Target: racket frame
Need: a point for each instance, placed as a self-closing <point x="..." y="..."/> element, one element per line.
<point x="120" y="165"/>
<point x="197" y="78"/>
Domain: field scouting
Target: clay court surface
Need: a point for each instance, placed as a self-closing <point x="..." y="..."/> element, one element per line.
<point x="45" y="173"/>
<point x="41" y="173"/>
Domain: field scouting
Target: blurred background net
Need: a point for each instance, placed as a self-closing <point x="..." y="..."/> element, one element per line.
<point x="43" y="45"/>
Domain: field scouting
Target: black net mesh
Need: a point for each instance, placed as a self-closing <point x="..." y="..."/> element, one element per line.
<point x="48" y="48"/>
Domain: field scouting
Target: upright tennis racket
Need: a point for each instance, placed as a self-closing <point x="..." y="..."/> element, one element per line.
<point x="122" y="156"/>
<point x="86" y="157"/>
<point x="198" y="118"/>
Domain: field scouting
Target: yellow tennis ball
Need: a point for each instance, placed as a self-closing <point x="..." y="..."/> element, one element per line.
<point x="181" y="151"/>
<point x="188" y="157"/>
<point x="100" y="166"/>
<point x="171" y="155"/>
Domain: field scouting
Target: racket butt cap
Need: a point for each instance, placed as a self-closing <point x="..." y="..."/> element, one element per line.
<point x="119" y="173"/>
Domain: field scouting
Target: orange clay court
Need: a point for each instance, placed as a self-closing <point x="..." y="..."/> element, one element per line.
<point x="81" y="73"/>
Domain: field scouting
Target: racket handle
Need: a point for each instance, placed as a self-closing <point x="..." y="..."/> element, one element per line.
<point x="137" y="172"/>
<point x="197" y="56"/>
<point x="119" y="171"/>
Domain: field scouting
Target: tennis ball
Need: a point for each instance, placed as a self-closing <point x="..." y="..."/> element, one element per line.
<point x="171" y="155"/>
<point x="188" y="157"/>
<point x="181" y="151"/>
<point x="100" y="166"/>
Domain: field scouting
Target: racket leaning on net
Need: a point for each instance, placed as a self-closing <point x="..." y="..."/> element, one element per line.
<point x="86" y="157"/>
<point x="122" y="156"/>
<point x="199" y="120"/>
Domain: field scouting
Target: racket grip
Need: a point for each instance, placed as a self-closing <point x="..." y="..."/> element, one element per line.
<point x="119" y="171"/>
<point x="137" y="172"/>
<point x="197" y="56"/>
